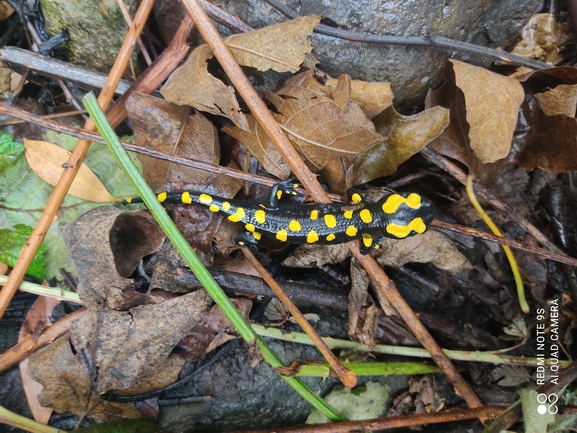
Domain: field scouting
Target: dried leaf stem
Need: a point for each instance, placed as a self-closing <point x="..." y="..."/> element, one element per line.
<point x="432" y="41"/>
<point x="74" y="162"/>
<point x="308" y="179"/>
<point x="346" y="376"/>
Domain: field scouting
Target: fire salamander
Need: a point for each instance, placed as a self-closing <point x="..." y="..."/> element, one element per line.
<point x="396" y="216"/>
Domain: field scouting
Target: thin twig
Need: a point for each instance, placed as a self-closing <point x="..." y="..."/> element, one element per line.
<point x="128" y="21"/>
<point x="393" y="422"/>
<point x="432" y="41"/>
<point x="561" y="258"/>
<point x="31" y="344"/>
<point x="346" y="376"/>
<point x="308" y="179"/>
<point x="74" y="163"/>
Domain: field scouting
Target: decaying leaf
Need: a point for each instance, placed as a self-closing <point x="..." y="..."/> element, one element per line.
<point x="260" y="146"/>
<point x="408" y="136"/>
<point x="94" y="238"/>
<point x="543" y="38"/>
<point x="517" y="330"/>
<point x="281" y="47"/>
<point x="37" y="320"/>
<point x="67" y="386"/>
<point x="174" y="130"/>
<point x="374" y="97"/>
<point x="430" y="247"/>
<point x="510" y="375"/>
<point x="560" y="100"/>
<point x="128" y="345"/>
<point x="212" y="330"/>
<point x="46" y="159"/>
<point x="192" y="84"/>
<point x="547" y="141"/>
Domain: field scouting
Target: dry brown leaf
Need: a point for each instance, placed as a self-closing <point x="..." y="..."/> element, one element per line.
<point x="560" y="100"/>
<point x="37" y="320"/>
<point x="46" y="160"/>
<point x="324" y="128"/>
<point x="543" y="141"/>
<point x="174" y="130"/>
<point x="261" y="147"/>
<point x="373" y="97"/>
<point x="67" y="386"/>
<point x="280" y="47"/>
<point x="192" y="84"/>
<point x="492" y="103"/>
<point x="430" y="247"/>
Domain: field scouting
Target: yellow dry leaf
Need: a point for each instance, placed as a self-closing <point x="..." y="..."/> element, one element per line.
<point x="492" y="102"/>
<point x="373" y="97"/>
<point x="46" y="160"/>
<point x="281" y="47"/>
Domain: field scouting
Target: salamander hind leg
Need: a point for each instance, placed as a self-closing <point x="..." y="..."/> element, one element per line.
<point x="249" y="240"/>
<point x="288" y="187"/>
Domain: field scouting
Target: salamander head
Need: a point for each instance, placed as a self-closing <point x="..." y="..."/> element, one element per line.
<point x="407" y="214"/>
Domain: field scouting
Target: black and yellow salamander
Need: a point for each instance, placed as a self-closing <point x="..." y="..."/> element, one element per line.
<point x="396" y="216"/>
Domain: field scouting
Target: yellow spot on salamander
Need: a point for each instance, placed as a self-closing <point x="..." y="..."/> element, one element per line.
<point x="128" y="200"/>
<point x="330" y="221"/>
<point x="281" y="235"/>
<point x="312" y="237"/>
<point x="393" y="202"/>
<point x="257" y="236"/>
<point x="351" y="231"/>
<point x="331" y="237"/>
<point x="348" y="214"/>
<point x="225" y="206"/>
<point x="279" y="194"/>
<point x="260" y="216"/>
<point x="237" y="216"/>
<point x="314" y="214"/>
<point x="249" y="227"/>
<point x="417" y="225"/>
<point x="213" y="208"/>
<point x="161" y="197"/>
<point x="185" y="198"/>
<point x="366" y="216"/>
<point x="204" y="199"/>
<point x="294" y="226"/>
<point x="367" y="240"/>
<point x="356" y="198"/>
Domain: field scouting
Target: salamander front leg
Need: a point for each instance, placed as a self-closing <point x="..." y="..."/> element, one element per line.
<point x="368" y="243"/>
<point x="285" y="187"/>
<point x="356" y="196"/>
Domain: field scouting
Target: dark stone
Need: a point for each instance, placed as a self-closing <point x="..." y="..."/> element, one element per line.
<point x="411" y="70"/>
